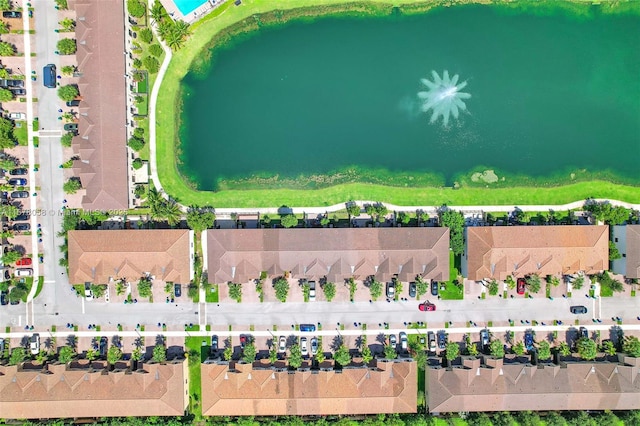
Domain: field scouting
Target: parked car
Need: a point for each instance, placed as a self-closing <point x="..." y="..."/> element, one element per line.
<point x="214" y="342"/>
<point x="104" y="343"/>
<point x="584" y="333"/>
<point x="431" y="337"/>
<point x="1" y="346"/>
<point x="34" y="344"/>
<point x="49" y="76"/>
<point x="22" y="226"/>
<point x="307" y="327"/>
<point x="4" y="298"/>
<point x="17" y="116"/>
<point x="243" y="340"/>
<point x="442" y="339"/>
<point x="22" y="217"/>
<point x="391" y="290"/>
<point x="520" y="285"/>
<point x="73" y="103"/>
<point x="283" y="344"/>
<point x="25" y="261"/>
<point x="434" y="288"/>
<point x="20" y="171"/>
<point x="177" y="290"/>
<point x="484" y="338"/>
<point x="412" y="289"/>
<point x="88" y="293"/>
<point x="23" y="272"/>
<point x="528" y="340"/>
<point x="12" y="83"/>
<point x="579" y="309"/>
<point x="312" y="291"/>
<point x="422" y="340"/>
<point x="71" y="127"/>
<point x="427" y="306"/>
<point x="12" y="14"/>
<point x="20" y="194"/>
<point x="314" y="345"/>
<point x="17" y="182"/>
<point x="18" y="91"/>
<point x="303" y="346"/>
<point x="392" y="341"/>
<point x="403" y="340"/>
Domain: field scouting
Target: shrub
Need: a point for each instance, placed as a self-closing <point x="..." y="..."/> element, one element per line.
<point x="329" y="290"/>
<point x="137" y="63"/>
<point x="66" y="46"/>
<point x="62" y="4"/>
<point x="72" y="186"/>
<point x="151" y="64"/>
<point x="136" y="144"/>
<point x="137" y="163"/>
<point x="136" y="8"/>
<point x="66" y="139"/>
<point x="6" y="95"/>
<point x="155" y="50"/>
<point x="138" y="132"/>
<point x="375" y="288"/>
<point x="5" y="5"/>
<point x="159" y="353"/>
<point x="282" y="289"/>
<point x="7" y="49"/>
<point x="146" y="35"/>
<point x="289" y="221"/>
<point x="68" y="70"/>
<point x="68" y="93"/>
<point x="235" y="292"/>
<point x="144" y="288"/>
<point x="66" y="354"/>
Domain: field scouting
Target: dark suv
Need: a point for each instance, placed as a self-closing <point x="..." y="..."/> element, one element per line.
<point x="578" y="309"/>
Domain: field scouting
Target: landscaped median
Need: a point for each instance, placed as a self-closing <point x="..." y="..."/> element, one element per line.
<point x="219" y="26"/>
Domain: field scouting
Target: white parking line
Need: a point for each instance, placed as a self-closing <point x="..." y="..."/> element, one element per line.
<point x="82" y="299"/>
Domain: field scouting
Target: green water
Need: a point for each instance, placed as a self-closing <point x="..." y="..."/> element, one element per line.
<point x="550" y="94"/>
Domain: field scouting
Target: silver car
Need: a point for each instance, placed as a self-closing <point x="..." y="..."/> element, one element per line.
<point x="403" y="340"/>
<point x="34" y="344"/>
<point x="283" y="344"/>
<point x="392" y="340"/>
<point x="314" y="345"/>
<point x="303" y="346"/>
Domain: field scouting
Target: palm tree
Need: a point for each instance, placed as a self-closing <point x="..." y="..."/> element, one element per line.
<point x="172" y="213"/>
<point x="157" y="12"/>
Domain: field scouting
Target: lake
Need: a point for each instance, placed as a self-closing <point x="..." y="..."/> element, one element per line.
<point x="550" y="93"/>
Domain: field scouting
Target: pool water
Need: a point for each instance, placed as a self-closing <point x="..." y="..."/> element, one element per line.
<point x="188" y="6"/>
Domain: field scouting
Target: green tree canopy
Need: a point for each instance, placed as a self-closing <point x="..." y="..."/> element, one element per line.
<point x="66" y="354"/>
<point x="390" y="352"/>
<point x="249" y="352"/>
<point x="329" y="290"/>
<point x="518" y="348"/>
<point x="17" y="356"/>
<point x="11" y="256"/>
<point x="282" y="289"/>
<point x="452" y="351"/>
<point x="544" y="350"/>
<point x="289" y="221"/>
<point x="496" y="349"/>
<point x="136" y="9"/>
<point x="144" y="288"/>
<point x="72" y="186"/>
<point x="7" y="49"/>
<point x="6" y="95"/>
<point x="342" y="356"/>
<point x="146" y="35"/>
<point x="564" y="349"/>
<point x="235" y="291"/>
<point x="533" y="282"/>
<point x="631" y="346"/>
<point x="295" y="356"/>
<point x="375" y="288"/>
<point x="114" y="354"/>
<point x="353" y="209"/>
<point x="367" y="356"/>
<point x="159" y="353"/>
<point x="587" y="349"/>
<point x="156" y="50"/>
<point x="136" y="144"/>
<point x="151" y="64"/>
<point x="200" y="219"/>
<point x="66" y="46"/>
<point x="98" y="290"/>
<point x="68" y="93"/>
<point x="455" y="222"/>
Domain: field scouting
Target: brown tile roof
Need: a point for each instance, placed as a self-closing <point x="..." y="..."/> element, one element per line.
<point x="102" y="139"/>
<point x="95" y="256"/>
<point x="633" y="251"/>
<point x="245" y="391"/>
<point x="519" y="387"/>
<point x="499" y="251"/>
<point x="241" y="254"/>
<point x="60" y="392"/>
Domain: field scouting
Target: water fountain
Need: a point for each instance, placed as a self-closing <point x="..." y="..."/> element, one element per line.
<point x="443" y="96"/>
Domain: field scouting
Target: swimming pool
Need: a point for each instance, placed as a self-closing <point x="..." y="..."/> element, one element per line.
<point x="188" y="6"/>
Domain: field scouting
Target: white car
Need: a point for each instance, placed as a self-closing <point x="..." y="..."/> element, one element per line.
<point x="23" y="272"/>
<point x="283" y="344"/>
<point x="303" y="346"/>
<point x="34" y="344"/>
<point x="314" y="345"/>
<point x="392" y="341"/>
<point x="403" y="340"/>
<point x="312" y="291"/>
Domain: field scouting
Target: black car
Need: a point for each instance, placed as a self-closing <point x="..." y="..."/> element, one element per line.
<point x="434" y="288"/>
<point x="584" y="333"/>
<point x="104" y="342"/>
<point x="412" y="289"/>
<point x="11" y="14"/>
<point x="484" y="338"/>
<point x="20" y="194"/>
<point x="214" y="342"/>
<point x="4" y="298"/>
<point x="22" y="226"/>
<point x="391" y="290"/>
<point x="19" y="171"/>
<point x="71" y="127"/>
<point x="528" y="340"/>
<point x="73" y="103"/>
<point x="442" y="339"/>
<point x="579" y="309"/>
<point x="17" y="182"/>
<point x="22" y="217"/>
<point x="18" y="92"/>
<point x="177" y="290"/>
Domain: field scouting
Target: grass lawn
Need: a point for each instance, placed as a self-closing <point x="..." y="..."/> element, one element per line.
<point x="143" y="86"/>
<point x="143" y="106"/>
<point x="174" y="184"/>
<point x="605" y="291"/>
<point x="201" y="346"/>
<point x="29" y="283"/>
<point x="40" y="285"/>
<point x="20" y="132"/>
<point x="452" y="291"/>
<point x="212" y="296"/>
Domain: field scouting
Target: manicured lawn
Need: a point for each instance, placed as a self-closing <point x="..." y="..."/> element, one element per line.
<point x="212" y="296"/>
<point x="40" y="285"/>
<point x="195" y="344"/>
<point x="143" y="106"/>
<point x="174" y="184"/>
<point x="143" y="86"/>
<point x="452" y="291"/>
<point x="20" y="132"/>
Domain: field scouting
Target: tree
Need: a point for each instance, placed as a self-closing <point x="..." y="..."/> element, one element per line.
<point x="578" y="282"/>
<point x="66" y="354"/>
<point x="7" y="49"/>
<point x="11" y="256"/>
<point x="404" y="218"/>
<point x="136" y="8"/>
<point x="342" y="356"/>
<point x="136" y="144"/>
<point x="375" y="288"/>
<point x="200" y="219"/>
<point x="157" y="12"/>
<point x="533" y="282"/>
<point x="114" y="354"/>
<point x="421" y="359"/>
<point x="353" y="209"/>
<point x="249" y="353"/>
<point x="66" y="139"/>
<point x="564" y="349"/>
<point x="493" y="288"/>
<point x="422" y="287"/>
<point x="5" y="5"/>
<point x="555" y="419"/>
<point x="479" y="419"/>
<point x="329" y="290"/>
<point x="319" y="357"/>
<point x="66" y="46"/>
<point x="144" y="288"/>
<point x="136" y="355"/>
<point x="452" y="351"/>
<point x="295" y="356"/>
<point x="544" y="350"/>
<point x="92" y="354"/>
<point x="151" y="64"/>
<point x="631" y="346"/>
<point x="390" y="352"/>
<point x="496" y="349"/>
<point x="67" y="24"/>
<point x="6" y="95"/>
<point x="235" y="291"/>
<point x="156" y="50"/>
<point x="282" y="289"/>
<point x="17" y="294"/>
<point x="367" y="356"/>
<point x="587" y="349"/>
<point x="614" y="253"/>
<point x="146" y="35"/>
<point x="98" y="290"/>
<point x="176" y="34"/>
<point x="455" y="222"/>
<point x="273" y="355"/>
<point x="68" y="93"/>
<point x="159" y="353"/>
<point x="72" y="186"/>
<point x="518" y="348"/>
<point x="18" y="355"/>
<point x="553" y="280"/>
<point x="608" y="348"/>
<point x="289" y="221"/>
<point x="228" y="353"/>
<point x="10" y="211"/>
<point x="137" y="163"/>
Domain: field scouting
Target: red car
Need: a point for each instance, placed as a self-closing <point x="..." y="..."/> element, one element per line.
<point x="427" y="306"/>
<point x="521" y="283"/>
<point x="26" y="261"/>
